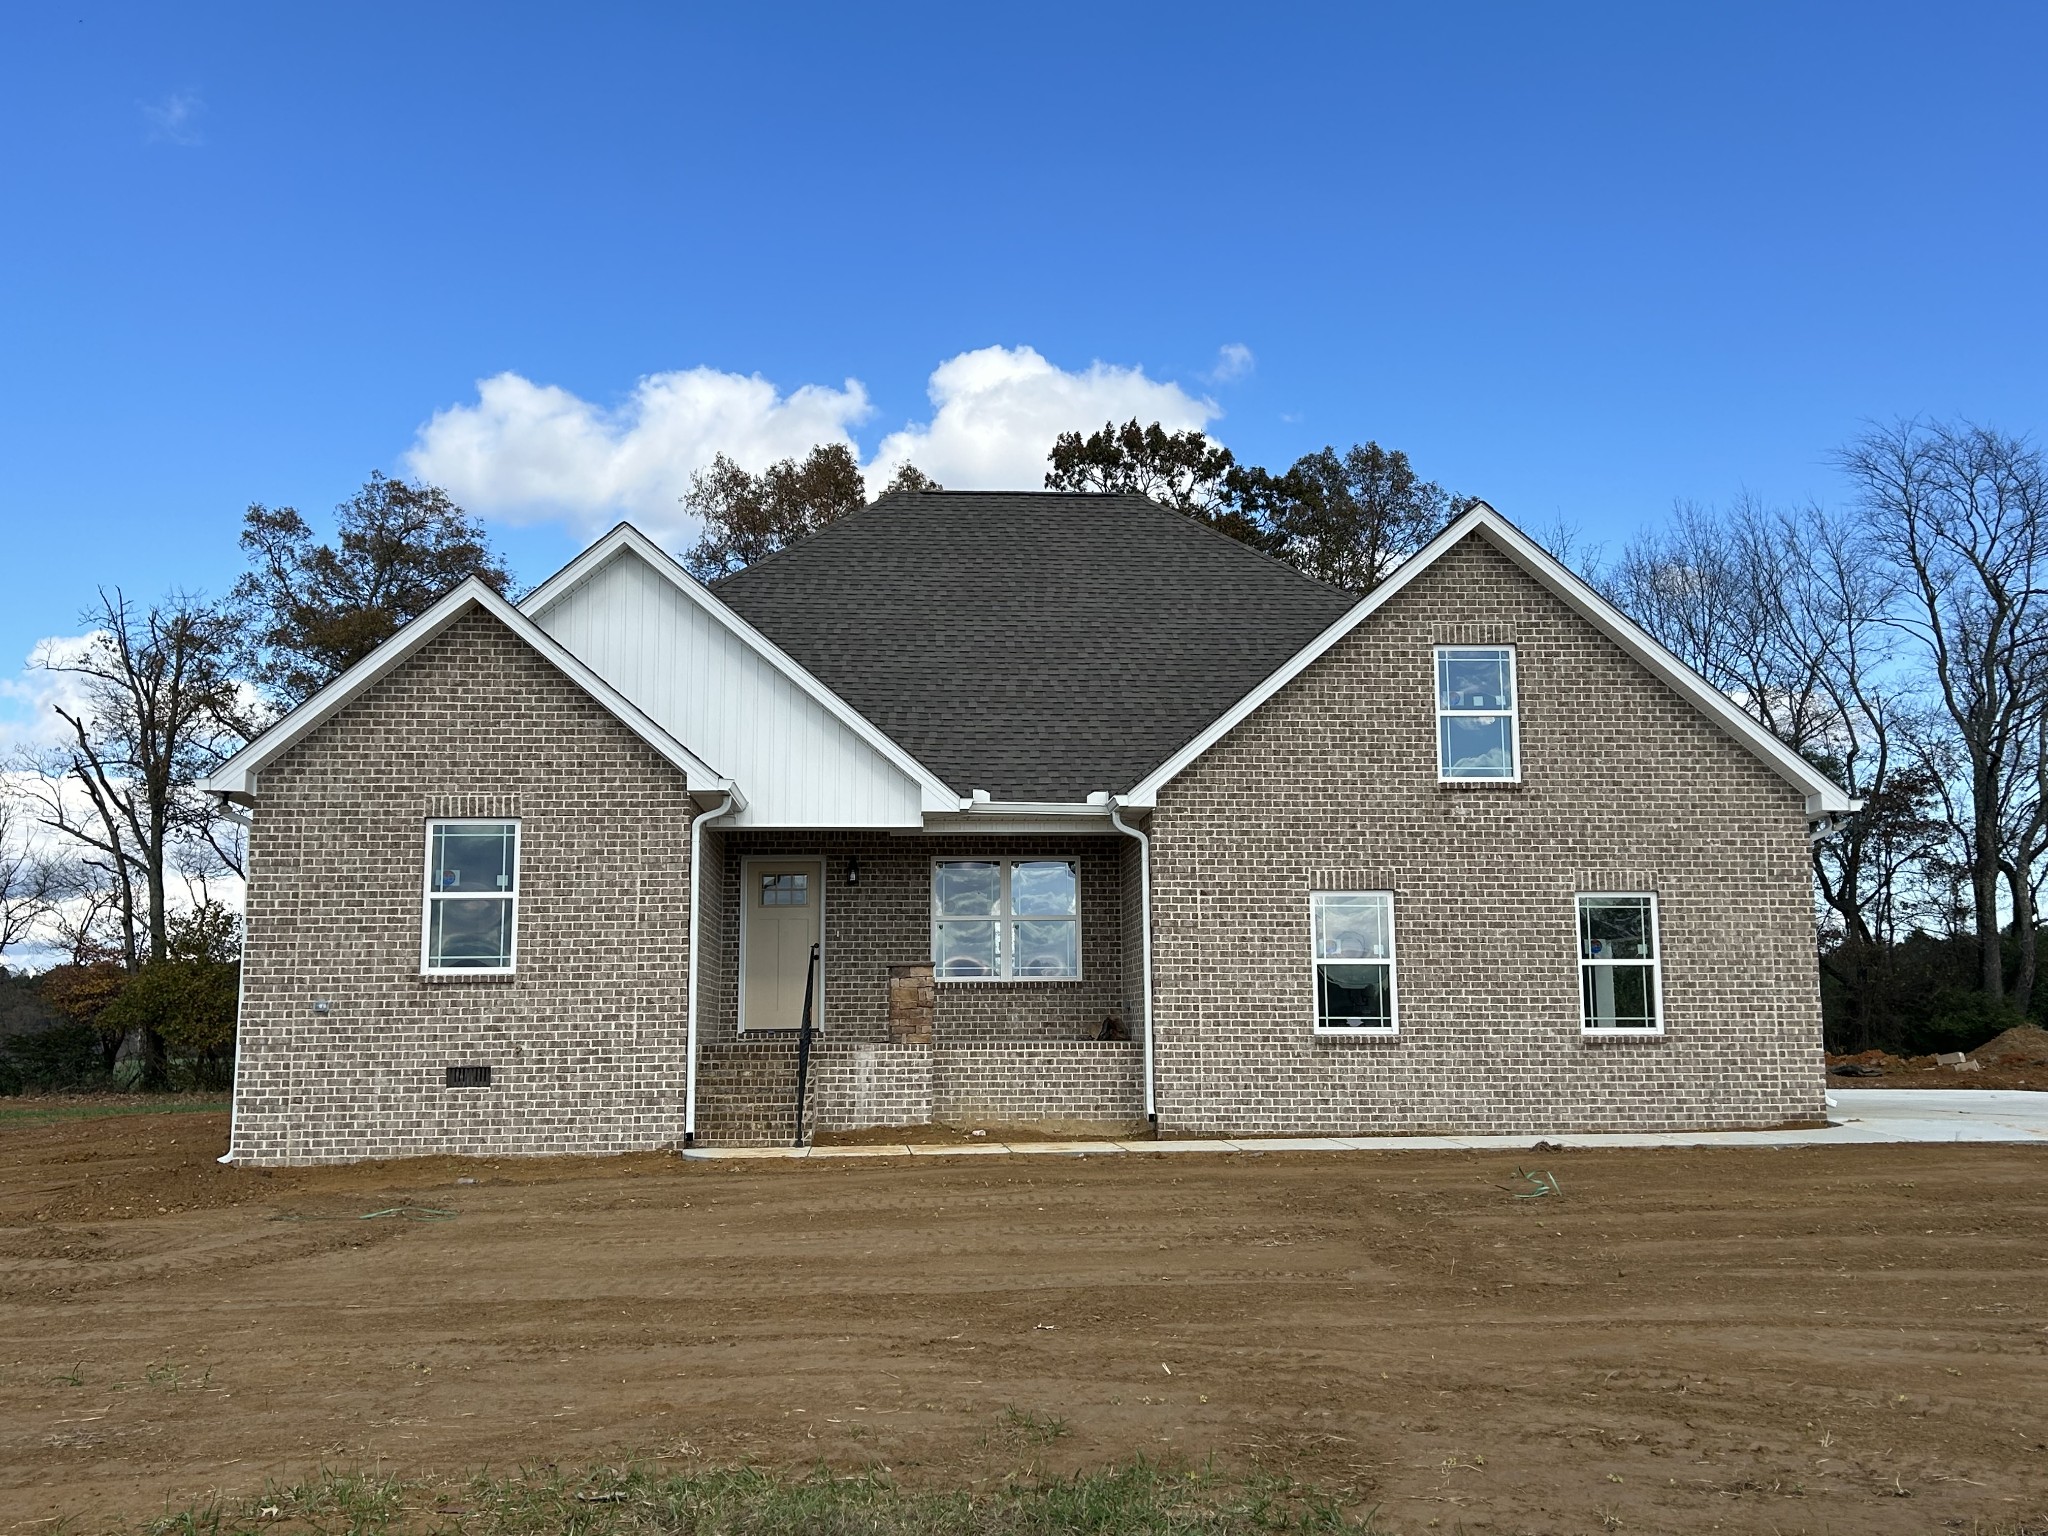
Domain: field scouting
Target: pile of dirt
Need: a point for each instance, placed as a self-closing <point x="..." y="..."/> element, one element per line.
<point x="2022" y="1045"/>
<point x="2015" y="1069"/>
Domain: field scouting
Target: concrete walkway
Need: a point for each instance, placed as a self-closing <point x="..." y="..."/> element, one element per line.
<point x="1860" y="1115"/>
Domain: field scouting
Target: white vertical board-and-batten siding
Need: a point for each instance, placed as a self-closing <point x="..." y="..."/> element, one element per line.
<point x="795" y="763"/>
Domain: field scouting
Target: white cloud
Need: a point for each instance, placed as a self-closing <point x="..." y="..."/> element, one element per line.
<point x="1233" y="361"/>
<point x="29" y="699"/>
<point x="995" y="414"/>
<point x="175" y="119"/>
<point x="526" y="452"/>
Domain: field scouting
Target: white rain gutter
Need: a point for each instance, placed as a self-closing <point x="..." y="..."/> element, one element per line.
<point x="245" y="820"/>
<point x="1145" y="938"/>
<point x="696" y="964"/>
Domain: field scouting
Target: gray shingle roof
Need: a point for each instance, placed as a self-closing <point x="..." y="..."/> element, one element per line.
<point x="1037" y="645"/>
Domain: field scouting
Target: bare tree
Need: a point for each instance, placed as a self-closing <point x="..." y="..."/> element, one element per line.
<point x="28" y="880"/>
<point x="1958" y="510"/>
<point x="1792" y="615"/>
<point x="160" y="709"/>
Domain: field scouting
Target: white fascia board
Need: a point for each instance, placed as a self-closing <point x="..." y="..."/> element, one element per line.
<point x="237" y="776"/>
<point x="1082" y="820"/>
<point x="938" y="795"/>
<point x="1823" y="795"/>
<point x="1015" y="816"/>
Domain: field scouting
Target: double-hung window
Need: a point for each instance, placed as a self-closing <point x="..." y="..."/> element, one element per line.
<point x="1354" y="961"/>
<point x="1006" y="919"/>
<point x="471" y="921"/>
<point x="1618" y="964"/>
<point x="1477" y="728"/>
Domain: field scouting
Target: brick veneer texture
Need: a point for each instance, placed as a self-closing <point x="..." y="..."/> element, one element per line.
<point x="1332" y="784"/>
<point x="1052" y="1083"/>
<point x="864" y="1086"/>
<point x="585" y="1043"/>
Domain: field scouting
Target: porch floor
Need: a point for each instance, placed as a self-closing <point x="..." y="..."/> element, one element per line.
<point x="1862" y="1115"/>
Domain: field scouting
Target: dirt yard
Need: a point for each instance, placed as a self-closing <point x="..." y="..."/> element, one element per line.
<point x="1848" y="1340"/>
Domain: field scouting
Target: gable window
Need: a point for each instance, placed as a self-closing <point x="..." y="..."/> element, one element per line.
<point x="1354" y="961"/>
<point x="1477" y="727"/>
<point x="1619" y="964"/>
<point x="1006" y="919"/>
<point x="471" y="919"/>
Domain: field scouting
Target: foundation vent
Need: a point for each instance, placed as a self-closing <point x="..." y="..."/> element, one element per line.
<point x="469" y="1077"/>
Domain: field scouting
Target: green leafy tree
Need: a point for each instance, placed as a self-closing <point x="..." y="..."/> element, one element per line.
<point x="910" y="480"/>
<point x="1181" y="470"/>
<point x="1348" y="518"/>
<point x="748" y="517"/>
<point x="312" y="610"/>
<point x="187" y="999"/>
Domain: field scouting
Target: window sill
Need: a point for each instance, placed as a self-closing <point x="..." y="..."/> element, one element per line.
<point x="468" y="978"/>
<point x="1323" y="1032"/>
<point x="1007" y="983"/>
<point x="1480" y="784"/>
<point x="1621" y="1034"/>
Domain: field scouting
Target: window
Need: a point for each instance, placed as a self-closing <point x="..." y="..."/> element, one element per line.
<point x="1354" y="960"/>
<point x="1618" y="964"/>
<point x="472" y="905"/>
<point x="786" y="890"/>
<point x="1477" y="730"/>
<point x="1006" y="920"/>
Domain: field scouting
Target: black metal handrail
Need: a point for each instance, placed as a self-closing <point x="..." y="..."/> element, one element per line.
<point x="803" y="1043"/>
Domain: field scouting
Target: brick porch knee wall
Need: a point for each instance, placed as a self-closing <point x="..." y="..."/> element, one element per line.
<point x="1083" y="1082"/>
<point x="1332" y="784"/>
<point x="585" y="1043"/>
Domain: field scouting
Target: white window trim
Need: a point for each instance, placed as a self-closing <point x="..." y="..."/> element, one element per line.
<point x="1324" y="1031"/>
<point x="1513" y="712"/>
<point x="1655" y="963"/>
<point x="428" y="896"/>
<point x="1004" y="919"/>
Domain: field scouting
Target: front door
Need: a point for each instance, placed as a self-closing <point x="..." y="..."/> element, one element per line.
<point x="782" y="916"/>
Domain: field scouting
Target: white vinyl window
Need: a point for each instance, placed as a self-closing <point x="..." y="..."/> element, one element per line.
<point x="471" y="918"/>
<point x="1478" y="730"/>
<point x="1619" y="964"/>
<point x="1006" y="919"/>
<point x="1354" y="961"/>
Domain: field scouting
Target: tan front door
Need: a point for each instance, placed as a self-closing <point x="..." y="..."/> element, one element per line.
<point x="781" y="918"/>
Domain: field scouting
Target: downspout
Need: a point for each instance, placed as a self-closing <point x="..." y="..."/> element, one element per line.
<point x="696" y="958"/>
<point x="1145" y="938"/>
<point x="246" y="821"/>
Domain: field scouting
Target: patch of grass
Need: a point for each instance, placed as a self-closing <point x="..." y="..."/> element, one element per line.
<point x="1037" y="1428"/>
<point x="51" y="1114"/>
<point x="1137" y="1499"/>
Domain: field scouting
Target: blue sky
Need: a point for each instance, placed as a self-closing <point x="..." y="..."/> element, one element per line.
<point x="1580" y="260"/>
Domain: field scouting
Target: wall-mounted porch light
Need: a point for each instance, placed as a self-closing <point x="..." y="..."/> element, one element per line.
<point x="853" y="870"/>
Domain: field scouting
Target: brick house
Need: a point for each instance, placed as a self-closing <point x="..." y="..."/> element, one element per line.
<point x="1050" y="810"/>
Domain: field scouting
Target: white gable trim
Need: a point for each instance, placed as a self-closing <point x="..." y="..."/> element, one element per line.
<point x="938" y="795"/>
<point x="1823" y="796"/>
<point x="237" y="776"/>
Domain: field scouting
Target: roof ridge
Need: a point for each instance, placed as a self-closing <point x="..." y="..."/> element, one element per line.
<point x="1150" y="503"/>
<point x="1252" y="549"/>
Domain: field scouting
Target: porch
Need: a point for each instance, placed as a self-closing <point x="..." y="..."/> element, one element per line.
<point x="972" y="980"/>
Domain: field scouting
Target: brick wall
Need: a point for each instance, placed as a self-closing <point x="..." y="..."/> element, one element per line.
<point x="863" y="1086"/>
<point x="585" y="1043"/>
<point x="1093" y="1084"/>
<point x="1332" y="783"/>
